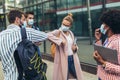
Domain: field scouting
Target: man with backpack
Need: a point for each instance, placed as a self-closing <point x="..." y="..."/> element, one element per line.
<point x="9" y="40"/>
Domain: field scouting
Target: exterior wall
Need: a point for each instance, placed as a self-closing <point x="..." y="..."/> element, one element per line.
<point x="49" y="13"/>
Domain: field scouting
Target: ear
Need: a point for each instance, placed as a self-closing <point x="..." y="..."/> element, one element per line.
<point x="107" y="27"/>
<point x="16" y="19"/>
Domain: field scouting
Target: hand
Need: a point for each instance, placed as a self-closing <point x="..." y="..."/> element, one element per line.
<point x="98" y="58"/>
<point x="74" y="48"/>
<point x="38" y="43"/>
<point x="97" y="34"/>
<point x="63" y="41"/>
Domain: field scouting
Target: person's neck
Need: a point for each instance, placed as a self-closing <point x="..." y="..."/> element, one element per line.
<point x="110" y="34"/>
<point x="15" y="23"/>
<point x="66" y="32"/>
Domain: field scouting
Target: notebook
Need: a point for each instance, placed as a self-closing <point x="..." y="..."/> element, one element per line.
<point x="107" y="54"/>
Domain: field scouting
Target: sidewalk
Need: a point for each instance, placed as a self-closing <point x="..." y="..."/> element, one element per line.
<point x="87" y="76"/>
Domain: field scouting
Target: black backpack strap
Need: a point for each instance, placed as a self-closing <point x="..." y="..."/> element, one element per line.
<point x="17" y="58"/>
<point x="19" y="65"/>
<point x="23" y="33"/>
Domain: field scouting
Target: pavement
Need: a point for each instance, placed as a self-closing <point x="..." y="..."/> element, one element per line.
<point x="87" y="76"/>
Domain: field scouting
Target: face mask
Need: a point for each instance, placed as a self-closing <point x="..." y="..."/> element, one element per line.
<point x="102" y="30"/>
<point x="24" y="24"/>
<point x="64" y="28"/>
<point x="30" y="22"/>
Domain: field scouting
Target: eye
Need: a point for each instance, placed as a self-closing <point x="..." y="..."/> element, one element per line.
<point x="66" y="25"/>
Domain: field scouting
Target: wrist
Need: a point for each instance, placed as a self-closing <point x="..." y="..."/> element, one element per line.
<point x="104" y="64"/>
<point x="97" y="40"/>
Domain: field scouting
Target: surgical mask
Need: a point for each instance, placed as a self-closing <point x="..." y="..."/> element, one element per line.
<point x="64" y="28"/>
<point x="102" y="30"/>
<point x="30" y="22"/>
<point x="24" y="24"/>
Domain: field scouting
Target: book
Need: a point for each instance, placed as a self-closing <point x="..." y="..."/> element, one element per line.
<point x="107" y="54"/>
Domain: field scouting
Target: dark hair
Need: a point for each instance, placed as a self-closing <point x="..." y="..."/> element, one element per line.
<point x="27" y="13"/>
<point x="13" y="14"/>
<point x="112" y="19"/>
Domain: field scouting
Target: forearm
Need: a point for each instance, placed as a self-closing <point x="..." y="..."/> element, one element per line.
<point x="35" y="35"/>
<point x="98" y="42"/>
<point x="54" y="39"/>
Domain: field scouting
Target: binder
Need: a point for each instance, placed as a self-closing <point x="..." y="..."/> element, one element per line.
<point x="107" y="54"/>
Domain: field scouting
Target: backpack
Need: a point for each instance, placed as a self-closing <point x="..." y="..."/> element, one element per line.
<point x="29" y="63"/>
<point x="53" y="47"/>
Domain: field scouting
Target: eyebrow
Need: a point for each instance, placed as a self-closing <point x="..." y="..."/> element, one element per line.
<point x="31" y="18"/>
<point x="66" y="25"/>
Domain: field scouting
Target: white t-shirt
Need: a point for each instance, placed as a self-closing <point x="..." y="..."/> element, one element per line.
<point x="70" y="43"/>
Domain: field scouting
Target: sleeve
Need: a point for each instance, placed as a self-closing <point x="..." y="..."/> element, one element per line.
<point x="52" y="36"/>
<point x="74" y="40"/>
<point x="98" y="42"/>
<point x="112" y="68"/>
<point x="35" y="35"/>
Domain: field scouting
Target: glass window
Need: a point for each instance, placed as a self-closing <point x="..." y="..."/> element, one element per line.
<point x="95" y="1"/>
<point x="61" y="4"/>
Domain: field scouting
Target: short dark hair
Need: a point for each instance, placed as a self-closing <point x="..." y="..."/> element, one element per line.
<point x="13" y="14"/>
<point x="29" y="12"/>
<point x="112" y="19"/>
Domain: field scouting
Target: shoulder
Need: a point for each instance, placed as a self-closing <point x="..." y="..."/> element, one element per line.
<point x="55" y="31"/>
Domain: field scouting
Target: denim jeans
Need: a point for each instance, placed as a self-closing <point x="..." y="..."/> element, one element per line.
<point x="71" y="67"/>
<point x="99" y="79"/>
<point x="38" y="49"/>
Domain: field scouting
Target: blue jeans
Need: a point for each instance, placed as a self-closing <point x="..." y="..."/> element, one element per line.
<point x="71" y="67"/>
<point x="99" y="79"/>
<point x="38" y="49"/>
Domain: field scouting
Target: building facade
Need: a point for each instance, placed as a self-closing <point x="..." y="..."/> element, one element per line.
<point x="49" y="13"/>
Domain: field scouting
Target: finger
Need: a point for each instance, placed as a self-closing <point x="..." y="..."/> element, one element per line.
<point x="97" y="33"/>
<point x="97" y="30"/>
<point x="94" y="54"/>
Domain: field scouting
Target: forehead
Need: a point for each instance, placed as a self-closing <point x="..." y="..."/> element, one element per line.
<point x="65" y="22"/>
<point x="30" y="15"/>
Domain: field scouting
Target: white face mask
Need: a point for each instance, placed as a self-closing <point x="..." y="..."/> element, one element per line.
<point x="102" y="30"/>
<point x="64" y="28"/>
<point x="24" y="24"/>
<point x="30" y="22"/>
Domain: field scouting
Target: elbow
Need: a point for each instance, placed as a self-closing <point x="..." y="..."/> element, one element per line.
<point x="46" y="36"/>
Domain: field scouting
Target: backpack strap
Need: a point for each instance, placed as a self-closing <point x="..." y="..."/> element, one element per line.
<point x="23" y="33"/>
<point x="17" y="58"/>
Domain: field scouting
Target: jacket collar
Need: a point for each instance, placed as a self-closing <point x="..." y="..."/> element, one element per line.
<point x="65" y="35"/>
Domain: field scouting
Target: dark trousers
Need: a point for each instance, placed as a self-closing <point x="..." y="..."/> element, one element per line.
<point x="99" y="79"/>
<point x="71" y="67"/>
